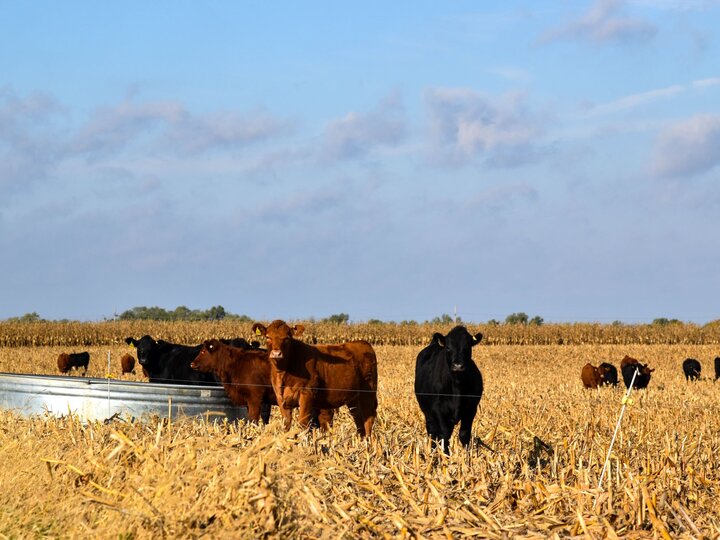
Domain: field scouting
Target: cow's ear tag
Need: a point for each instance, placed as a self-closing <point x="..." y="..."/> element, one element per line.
<point x="132" y="345"/>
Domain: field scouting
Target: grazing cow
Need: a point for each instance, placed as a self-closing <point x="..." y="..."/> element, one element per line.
<point x="321" y="376"/>
<point x="244" y="373"/>
<point x="66" y="362"/>
<point x="127" y="362"/>
<point x="169" y="363"/>
<point x="609" y="374"/>
<point x="448" y="385"/>
<point x="717" y="368"/>
<point x="628" y="367"/>
<point x="591" y="377"/>
<point x="691" y="368"/>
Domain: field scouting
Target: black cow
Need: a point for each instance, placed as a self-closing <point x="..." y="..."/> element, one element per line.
<point x="691" y="369"/>
<point x="628" y="366"/>
<point x="241" y="343"/>
<point x="66" y="362"/>
<point x="610" y="374"/>
<point x="717" y="368"/>
<point x="169" y="363"/>
<point x="448" y="385"/>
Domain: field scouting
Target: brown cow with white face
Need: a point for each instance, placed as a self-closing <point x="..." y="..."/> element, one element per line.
<point x="323" y="376"/>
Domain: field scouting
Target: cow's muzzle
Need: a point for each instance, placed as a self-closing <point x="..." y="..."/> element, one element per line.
<point x="276" y="355"/>
<point x="457" y="368"/>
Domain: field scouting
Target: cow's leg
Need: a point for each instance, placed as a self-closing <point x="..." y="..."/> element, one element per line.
<point x="325" y="418"/>
<point x="287" y="416"/>
<point x="253" y="408"/>
<point x="265" y="413"/>
<point x="443" y="430"/>
<point x="369" y="409"/>
<point x="466" y="421"/>
<point x="356" y="411"/>
<point x="306" y="409"/>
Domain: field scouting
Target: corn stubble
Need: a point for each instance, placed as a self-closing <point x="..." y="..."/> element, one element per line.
<point x="540" y="441"/>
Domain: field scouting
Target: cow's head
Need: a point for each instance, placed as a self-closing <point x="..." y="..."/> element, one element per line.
<point x="145" y="346"/>
<point x="204" y="361"/>
<point x="278" y="337"/>
<point x="458" y="346"/>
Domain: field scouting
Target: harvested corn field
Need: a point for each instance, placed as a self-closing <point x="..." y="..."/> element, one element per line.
<point x="535" y="475"/>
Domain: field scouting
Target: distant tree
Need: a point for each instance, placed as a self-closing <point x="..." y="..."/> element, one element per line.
<point x="617" y="323"/>
<point x="517" y="318"/>
<point x="338" y="318"/>
<point x="180" y="313"/>
<point x="537" y="320"/>
<point x="216" y="313"/>
<point x="493" y="322"/>
<point x="662" y="321"/>
<point x="374" y="321"/>
<point x="27" y="318"/>
<point x="408" y="323"/>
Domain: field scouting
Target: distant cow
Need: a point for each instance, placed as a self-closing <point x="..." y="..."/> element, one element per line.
<point x="609" y="374"/>
<point x="628" y="367"/>
<point x="244" y="373"/>
<point x="127" y="362"/>
<point x="691" y="369"/>
<point x="717" y="368"/>
<point x="169" y="363"/>
<point x="448" y="385"/>
<point x="321" y="376"/>
<point x="66" y="362"/>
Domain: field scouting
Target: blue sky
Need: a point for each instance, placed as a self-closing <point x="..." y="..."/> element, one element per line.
<point x="289" y="160"/>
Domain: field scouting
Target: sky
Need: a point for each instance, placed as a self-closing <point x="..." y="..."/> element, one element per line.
<point x="392" y="161"/>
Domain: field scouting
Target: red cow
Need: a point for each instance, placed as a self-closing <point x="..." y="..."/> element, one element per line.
<point x="244" y="373"/>
<point x="591" y="377"/>
<point x="322" y="376"/>
<point x="127" y="362"/>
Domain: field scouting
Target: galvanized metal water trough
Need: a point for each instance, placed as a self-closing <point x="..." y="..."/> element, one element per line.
<point x="94" y="399"/>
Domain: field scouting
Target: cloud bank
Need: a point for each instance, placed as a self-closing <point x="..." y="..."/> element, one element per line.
<point x="689" y="147"/>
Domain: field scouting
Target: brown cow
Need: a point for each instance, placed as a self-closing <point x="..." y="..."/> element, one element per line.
<point x="592" y="376"/>
<point x="321" y="376"/>
<point x="127" y="362"/>
<point x="244" y="373"/>
<point x="66" y="362"/>
<point x="628" y="366"/>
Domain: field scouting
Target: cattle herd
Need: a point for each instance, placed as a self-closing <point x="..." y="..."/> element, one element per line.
<point x="318" y="379"/>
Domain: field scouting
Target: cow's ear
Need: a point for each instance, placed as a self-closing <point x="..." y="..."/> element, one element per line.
<point x="476" y="339"/>
<point x="298" y="329"/>
<point x="130" y="341"/>
<point x="439" y="339"/>
<point x="258" y="329"/>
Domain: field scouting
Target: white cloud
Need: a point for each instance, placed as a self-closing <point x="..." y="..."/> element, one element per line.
<point x="169" y="128"/>
<point x="603" y="23"/>
<point x="466" y="124"/>
<point x="357" y="134"/>
<point x="688" y="147"/>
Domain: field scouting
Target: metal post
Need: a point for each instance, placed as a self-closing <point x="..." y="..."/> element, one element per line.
<point x="617" y="426"/>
